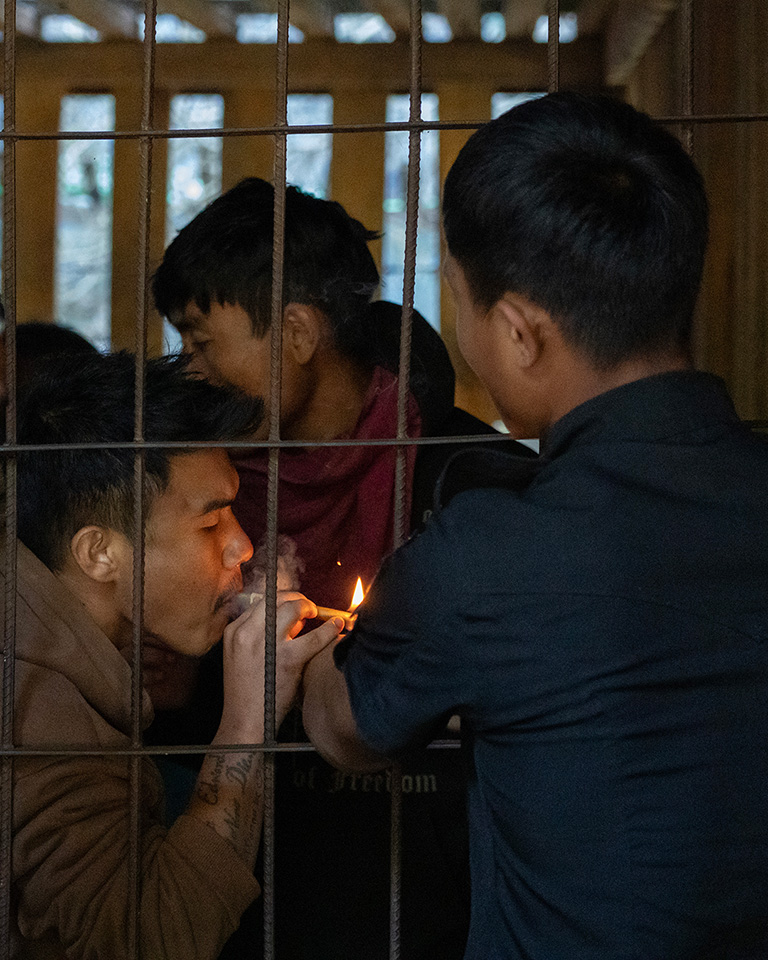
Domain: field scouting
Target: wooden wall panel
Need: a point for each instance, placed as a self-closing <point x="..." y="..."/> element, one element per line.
<point x="128" y="198"/>
<point x="462" y="101"/>
<point x="750" y="370"/>
<point x="731" y="44"/>
<point x="247" y="156"/>
<point x="357" y="165"/>
<point x="38" y="107"/>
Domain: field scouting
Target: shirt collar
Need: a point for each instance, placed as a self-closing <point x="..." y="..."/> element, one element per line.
<point x="652" y="408"/>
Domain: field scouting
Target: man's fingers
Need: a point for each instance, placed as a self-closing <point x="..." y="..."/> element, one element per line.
<point x="292" y="613"/>
<point x="292" y="610"/>
<point x="310" y="644"/>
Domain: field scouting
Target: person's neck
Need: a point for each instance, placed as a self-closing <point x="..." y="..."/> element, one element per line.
<point x="334" y="406"/>
<point x="584" y="382"/>
<point x="98" y="601"/>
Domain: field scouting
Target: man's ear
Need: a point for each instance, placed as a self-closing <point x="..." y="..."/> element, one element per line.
<point x="521" y="327"/>
<point x="101" y="553"/>
<point x="302" y="331"/>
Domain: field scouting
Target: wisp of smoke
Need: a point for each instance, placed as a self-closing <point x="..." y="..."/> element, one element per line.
<point x="290" y="567"/>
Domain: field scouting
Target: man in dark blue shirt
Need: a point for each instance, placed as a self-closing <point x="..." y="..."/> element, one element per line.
<point x="598" y="621"/>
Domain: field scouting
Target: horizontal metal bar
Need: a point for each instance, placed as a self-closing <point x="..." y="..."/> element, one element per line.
<point x="401" y="126"/>
<point x="199" y="133"/>
<point x="191" y="445"/>
<point x="181" y="750"/>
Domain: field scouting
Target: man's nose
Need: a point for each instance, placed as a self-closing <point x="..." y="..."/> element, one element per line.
<point x="239" y="548"/>
<point x="197" y="366"/>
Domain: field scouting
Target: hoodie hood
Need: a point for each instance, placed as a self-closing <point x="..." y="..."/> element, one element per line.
<point x="55" y="634"/>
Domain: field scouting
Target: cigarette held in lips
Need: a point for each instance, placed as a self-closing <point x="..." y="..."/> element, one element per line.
<point x="323" y="613"/>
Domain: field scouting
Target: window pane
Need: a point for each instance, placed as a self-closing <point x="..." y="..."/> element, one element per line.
<point x="501" y="102"/>
<point x="82" y="286"/>
<point x="362" y="28"/>
<point x="308" y="161"/>
<point x="62" y="28"/>
<point x="194" y="165"/>
<point x="194" y="170"/>
<point x="493" y="27"/>
<point x="171" y="29"/>
<point x="262" y="28"/>
<point x="427" y="291"/>
<point x="568" y="28"/>
<point x="435" y="28"/>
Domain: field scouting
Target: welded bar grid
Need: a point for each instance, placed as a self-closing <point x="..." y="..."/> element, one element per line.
<point x="146" y="136"/>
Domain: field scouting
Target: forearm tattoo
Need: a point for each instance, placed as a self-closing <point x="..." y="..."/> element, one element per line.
<point x="231" y="786"/>
<point x="208" y="790"/>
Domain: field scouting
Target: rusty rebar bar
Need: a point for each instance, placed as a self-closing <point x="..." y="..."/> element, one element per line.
<point x="9" y="587"/>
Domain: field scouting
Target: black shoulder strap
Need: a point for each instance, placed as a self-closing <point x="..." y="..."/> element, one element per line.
<point x="484" y="467"/>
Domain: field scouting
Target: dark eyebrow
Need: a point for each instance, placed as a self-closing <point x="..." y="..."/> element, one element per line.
<point x="183" y="325"/>
<point x="216" y="505"/>
<point x="184" y="322"/>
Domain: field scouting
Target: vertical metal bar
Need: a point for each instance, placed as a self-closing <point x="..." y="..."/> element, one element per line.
<point x="409" y="278"/>
<point x="142" y="304"/>
<point x="276" y="343"/>
<point x="396" y="858"/>
<point x="687" y="57"/>
<point x="9" y="462"/>
<point x="553" y="46"/>
<point x="401" y="518"/>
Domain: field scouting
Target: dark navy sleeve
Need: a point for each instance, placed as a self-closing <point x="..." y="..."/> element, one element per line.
<point x="402" y="662"/>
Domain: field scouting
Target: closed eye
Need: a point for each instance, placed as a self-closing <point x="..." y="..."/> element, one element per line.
<point x="212" y="513"/>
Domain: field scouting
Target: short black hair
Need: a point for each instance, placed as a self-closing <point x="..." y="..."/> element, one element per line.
<point x="224" y="255"/>
<point x="38" y="339"/>
<point x="592" y="211"/>
<point x="92" y="401"/>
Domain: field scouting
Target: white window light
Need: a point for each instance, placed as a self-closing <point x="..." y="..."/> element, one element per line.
<point x="194" y="164"/>
<point x="501" y="102"/>
<point x="61" y="28"/>
<point x="362" y="28"/>
<point x="569" y="28"/>
<point x="308" y="155"/>
<point x="26" y="18"/>
<point x="396" y="144"/>
<point x="493" y="27"/>
<point x="84" y="193"/>
<point x="172" y="29"/>
<point x="194" y="171"/>
<point x="262" y="28"/>
<point x="435" y="28"/>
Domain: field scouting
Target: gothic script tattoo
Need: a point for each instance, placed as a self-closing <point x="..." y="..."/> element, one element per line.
<point x="208" y="790"/>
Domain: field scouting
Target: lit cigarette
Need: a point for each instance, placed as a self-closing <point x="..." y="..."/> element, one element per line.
<point x="323" y="613"/>
<point x="327" y="613"/>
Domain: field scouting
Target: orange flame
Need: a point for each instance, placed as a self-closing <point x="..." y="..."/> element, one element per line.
<point x="357" y="596"/>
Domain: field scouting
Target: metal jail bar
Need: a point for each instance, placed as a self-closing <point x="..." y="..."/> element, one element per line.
<point x="146" y="137"/>
<point x="9" y="558"/>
